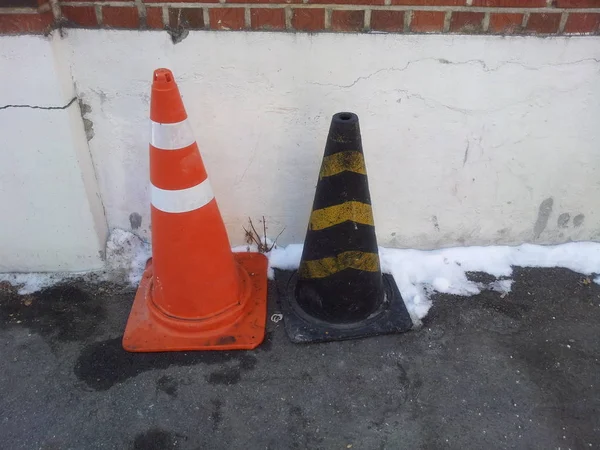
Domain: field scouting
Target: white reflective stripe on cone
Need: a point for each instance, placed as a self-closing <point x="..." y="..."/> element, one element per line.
<point x="182" y="200"/>
<point x="171" y="136"/>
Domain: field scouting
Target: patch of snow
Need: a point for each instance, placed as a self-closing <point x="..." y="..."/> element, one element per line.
<point x="29" y="283"/>
<point x="126" y="255"/>
<point x="417" y="273"/>
<point x="502" y="286"/>
<point x="285" y="258"/>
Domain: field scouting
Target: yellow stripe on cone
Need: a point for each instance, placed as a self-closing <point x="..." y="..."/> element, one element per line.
<point x="321" y="268"/>
<point x="333" y="215"/>
<point x="350" y="161"/>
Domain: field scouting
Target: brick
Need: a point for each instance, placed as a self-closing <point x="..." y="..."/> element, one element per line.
<point x="25" y="23"/>
<point x="392" y="21"/>
<point x="427" y="21"/>
<point x="178" y="1"/>
<point x="278" y="2"/>
<point x="347" y="20"/>
<point x="154" y="18"/>
<point x="82" y="16"/>
<point x="120" y="17"/>
<point x="577" y="3"/>
<point x="347" y="2"/>
<point x="430" y="2"/>
<point x="19" y="3"/>
<point x="505" y="23"/>
<point x="511" y="3"/>
<point x="226" y="18"/>
<point x="466" y="22"/>
<point x="308" y="19"/>
<point x="192" y="18"/>
<point x="543" y="23"/>
<point x="267" y="19"/>
<point x="582" y="23"/>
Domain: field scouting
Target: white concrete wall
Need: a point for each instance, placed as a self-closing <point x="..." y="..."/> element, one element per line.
<point x="468" y="139"/>
<point x="51" y="214"/>
<point x="465" y="136"/>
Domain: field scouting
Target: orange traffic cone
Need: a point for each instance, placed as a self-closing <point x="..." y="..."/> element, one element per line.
<point x="195" y="293"/>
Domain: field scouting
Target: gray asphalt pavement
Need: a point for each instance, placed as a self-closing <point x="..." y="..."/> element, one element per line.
<point x="484" y="372"/>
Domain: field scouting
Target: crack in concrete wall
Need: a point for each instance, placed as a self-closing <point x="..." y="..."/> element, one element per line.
<point x="485" y="67"/>
<point x="40" y="107"/>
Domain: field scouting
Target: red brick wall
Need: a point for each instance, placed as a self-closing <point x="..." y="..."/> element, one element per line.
<point x="523" y="17"/>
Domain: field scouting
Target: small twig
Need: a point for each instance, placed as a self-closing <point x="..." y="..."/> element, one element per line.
<point x="252" y="237"/>
<point x="275" y="241"/>
<point x="255" y="237"/>
<point x="254" y="229"/>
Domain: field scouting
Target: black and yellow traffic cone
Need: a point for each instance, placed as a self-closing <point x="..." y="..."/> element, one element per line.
<point x="339" y="291"/>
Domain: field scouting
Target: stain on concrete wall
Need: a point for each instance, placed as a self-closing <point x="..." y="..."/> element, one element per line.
<point x="543" y="215"/>
<point x="135" y="220"/>
<point x="578" y="220"/>
<point x="88" y="125"/>
<point x="435" y="222"/>
<point x="563" y="220"/>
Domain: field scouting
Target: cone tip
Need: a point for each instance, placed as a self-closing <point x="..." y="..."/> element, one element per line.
<point x="163" y="77"/>
<point x="345" y="117"/>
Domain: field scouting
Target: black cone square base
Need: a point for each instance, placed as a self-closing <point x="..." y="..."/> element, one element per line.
<point x="391" y="317"/>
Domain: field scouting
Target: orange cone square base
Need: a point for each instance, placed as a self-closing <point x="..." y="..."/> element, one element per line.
<point x="150" y="330"/>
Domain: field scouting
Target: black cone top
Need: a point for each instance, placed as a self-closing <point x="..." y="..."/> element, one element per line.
<point x="339" y="279"/>
<point x="344" y="134"/>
